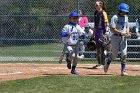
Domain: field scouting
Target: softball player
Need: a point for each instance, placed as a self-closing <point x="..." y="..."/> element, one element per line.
<point x="138" y="28"/>
<point x="120" y="29"/>
<point x="70" y="35"/>
<point x="82" y="21"/>
<point x="100" y="29"/>
<point x="62" y="54"/>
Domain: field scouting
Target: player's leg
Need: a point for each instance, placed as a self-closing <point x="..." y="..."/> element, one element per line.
<point x="115" y="49"/>
<point x="98" y="54"/>
<point x="62" y="54"/>
<point x="98" y="57"/>
<point x="81" y="49"/>
<point x="99" y="51"/>
<point x="68" y="61"/>
<point x="75" y="61"/>
<point x="61" y="57"/>
<point x="102" y="56"/>
<point x="69" y="56"/>
<point x="123" y="65"/>
<point x="123" y="49"/>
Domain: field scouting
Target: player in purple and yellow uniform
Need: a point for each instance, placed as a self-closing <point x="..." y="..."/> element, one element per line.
<point x="100" y="29"/>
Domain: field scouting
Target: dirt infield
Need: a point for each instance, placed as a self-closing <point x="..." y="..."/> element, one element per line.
<point x="23" y="71"/>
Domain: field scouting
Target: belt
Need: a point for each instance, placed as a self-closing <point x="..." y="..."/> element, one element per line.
<point x="72" y="45"/>
<point x="117" y="34"/>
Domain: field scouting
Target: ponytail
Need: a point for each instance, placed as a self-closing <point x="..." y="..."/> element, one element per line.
<point x="104" y="7"/>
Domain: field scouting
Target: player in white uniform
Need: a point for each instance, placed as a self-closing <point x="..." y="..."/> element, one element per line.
<point x="88" y="31"/>
<point x="70" y="35"/>
<point x="138" y="28"/>
<point x="120" y="29"/>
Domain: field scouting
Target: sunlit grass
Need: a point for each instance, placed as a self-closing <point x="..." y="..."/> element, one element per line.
<point x="73" y="84"/>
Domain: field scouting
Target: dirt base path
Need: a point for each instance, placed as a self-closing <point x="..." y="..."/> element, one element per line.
<point x="23" y="71"/>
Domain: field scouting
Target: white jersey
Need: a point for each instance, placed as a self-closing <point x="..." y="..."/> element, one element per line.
<point x="89" y="33"/>
<point x="137" y="28"/>
<point x="137" y="24"/>
<point x="73" y="38"/>
<point x="121" y="23"/>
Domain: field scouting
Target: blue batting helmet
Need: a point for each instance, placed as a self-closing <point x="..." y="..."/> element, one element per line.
<point x="124" y="7"/>
<point x="73" y="14"/>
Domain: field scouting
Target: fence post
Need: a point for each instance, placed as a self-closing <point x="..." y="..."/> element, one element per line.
<point x="78" y="5"/>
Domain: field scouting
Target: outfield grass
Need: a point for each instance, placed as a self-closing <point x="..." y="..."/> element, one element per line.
<point x="73" y="84"/>
<point x="44" y="50"/>
<point x="49" y="50"/>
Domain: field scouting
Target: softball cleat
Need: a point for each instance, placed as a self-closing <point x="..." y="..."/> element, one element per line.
<point x="123" y="73"/>
<point x="74" y="72"/>
<point x="106" y="66"/>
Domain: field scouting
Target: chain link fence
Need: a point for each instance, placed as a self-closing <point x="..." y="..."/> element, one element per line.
<point x="29" y="29"/>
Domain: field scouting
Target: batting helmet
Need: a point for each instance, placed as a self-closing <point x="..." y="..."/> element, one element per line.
<point x="73" y="14"/>
<point x="123" y="7"/>
<point x="91" y="45"/>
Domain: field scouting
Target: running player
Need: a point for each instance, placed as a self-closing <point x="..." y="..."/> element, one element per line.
<point x="70" y="35"/>
<point x="120" y="29"/>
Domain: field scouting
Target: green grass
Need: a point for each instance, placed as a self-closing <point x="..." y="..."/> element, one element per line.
<point x="44" y="50"/>
<point x="48" y="50"/>
<point x="73" y="84"/>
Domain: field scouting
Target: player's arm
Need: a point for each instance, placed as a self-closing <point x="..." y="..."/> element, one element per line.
<point x="93" y="35"/>
<point x="138" y="34"/>
<point x="81" y="32"/>
<point x="113" y="26"/>
<point x="64" y="32"/>
<point x="116" y="31"/>
<point x="137" y="28"/>
<point x="128" y="33"/>
<point x="106" y="21"/>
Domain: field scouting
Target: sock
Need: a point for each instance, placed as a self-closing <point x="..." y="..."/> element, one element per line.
<point x="109" y="61"/>
<point x="73" y="67"/>
<point x="122" y="66"/>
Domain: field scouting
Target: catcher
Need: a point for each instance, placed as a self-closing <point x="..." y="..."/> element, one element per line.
<point x="100" y="32"/>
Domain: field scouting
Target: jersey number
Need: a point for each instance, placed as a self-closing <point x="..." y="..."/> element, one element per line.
<point x="74" y="36"/>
